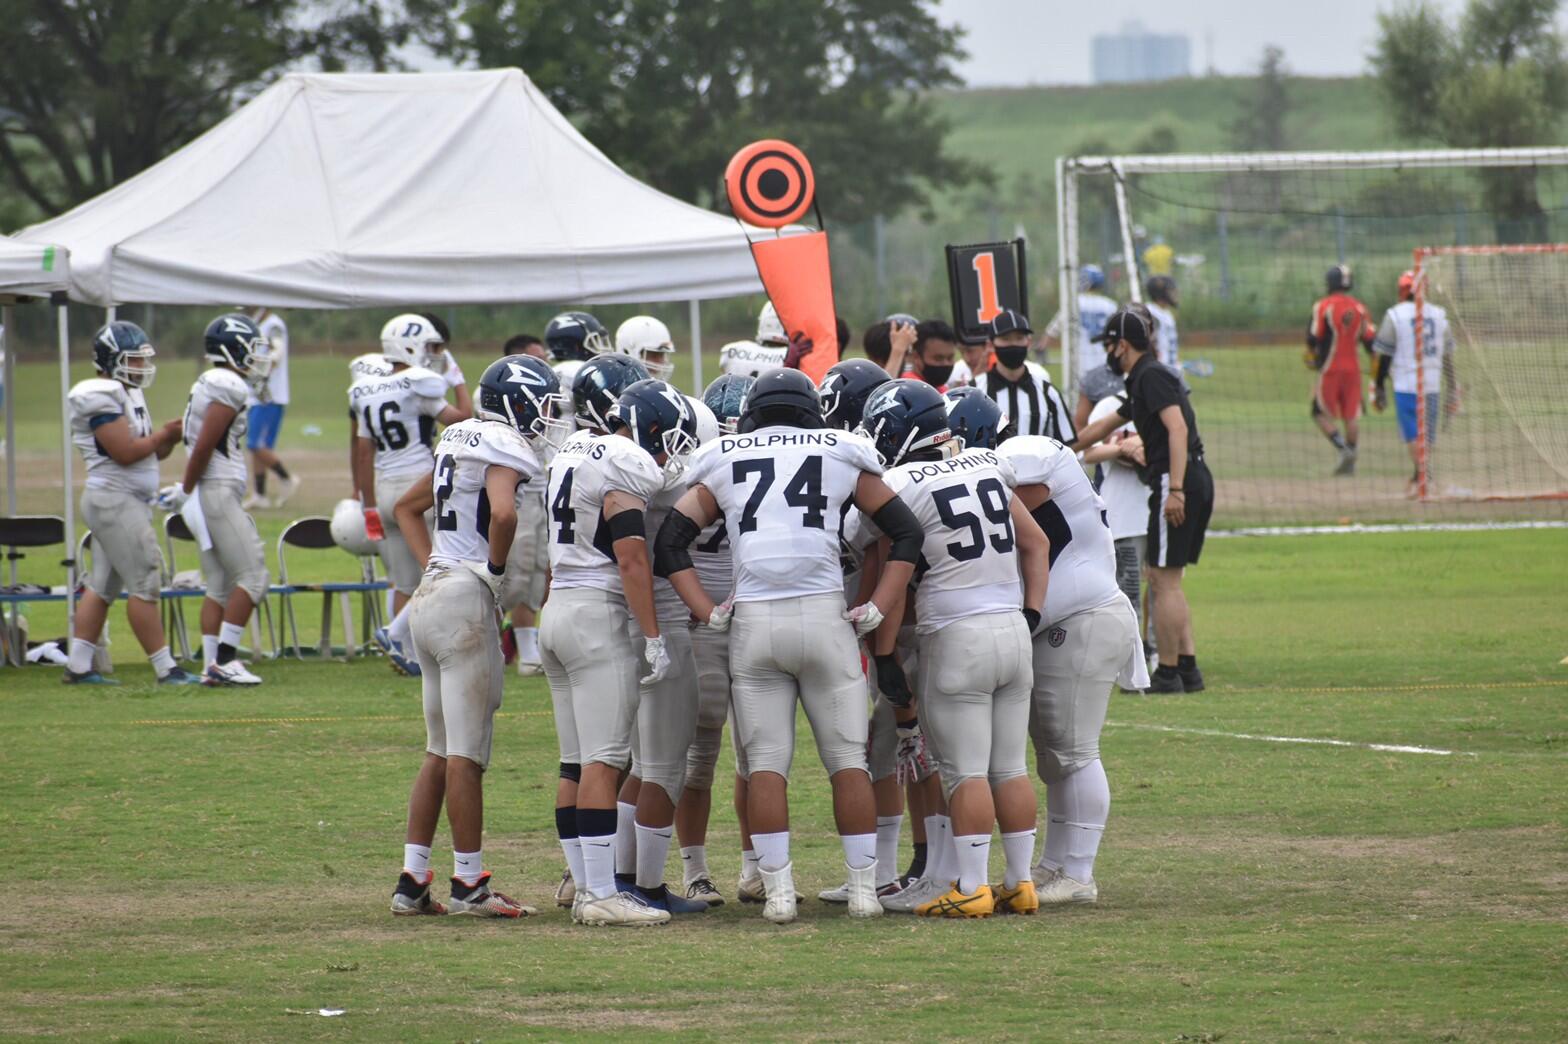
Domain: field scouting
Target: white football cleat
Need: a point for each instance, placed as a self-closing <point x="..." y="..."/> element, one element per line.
<point x="835" y="895"/>
<point x="578" y="899"/>
<point x="622" y="908"/>
<point x="529" y="668"/>
<point x="751" y="889"/>
<point x="288" y="487"/>
<point x="1043" y="875"/>
<point x="1062" y="890"/>
<point x="922" y="891"/>
<point x="780" y="884"/>
<point x="862" y="889"/>
<point x="231" y="673"/>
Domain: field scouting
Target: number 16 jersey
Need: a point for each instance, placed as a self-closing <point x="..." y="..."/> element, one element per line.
<point x="783" y="493"/>
<point x="397" y="412"/>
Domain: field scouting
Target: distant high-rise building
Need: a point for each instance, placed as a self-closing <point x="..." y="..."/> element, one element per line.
<point x="1135" y="55"/>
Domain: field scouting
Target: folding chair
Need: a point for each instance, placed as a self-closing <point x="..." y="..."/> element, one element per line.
<point x="26" y="531"/>
<point x="314" y="533"/>
<point x="174" y="528"/>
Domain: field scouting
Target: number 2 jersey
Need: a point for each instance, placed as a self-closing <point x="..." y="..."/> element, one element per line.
<point x="1083" y="555"/>
<point x="465" y="453"/>
<point x="968" y="561"/>
<point x="586" y="469"/>
<point x="94" y="403"/>
<point x="397" y="412"/>
<point x="783" y="492"/>
<point x="224" y="388"/>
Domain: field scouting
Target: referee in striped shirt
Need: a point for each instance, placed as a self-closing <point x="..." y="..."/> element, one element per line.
<point x="1022" y="388"/>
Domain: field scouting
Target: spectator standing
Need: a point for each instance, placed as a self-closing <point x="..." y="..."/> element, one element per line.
<point x="933" y="354"/>
<point x="264" y="409"/>
<point x="1161" y="291"/>
<point x="1416" y="387"/>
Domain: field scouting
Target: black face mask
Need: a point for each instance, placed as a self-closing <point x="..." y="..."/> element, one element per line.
<point x="936" y="376"/>
<point x="1012" y="356"/>
<point x="1113" y="363"/>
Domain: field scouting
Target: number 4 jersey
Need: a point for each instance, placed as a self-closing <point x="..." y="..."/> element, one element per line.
<point x="968" y="562"/>
<point x="397" y="412"/>
<point x="586" y="469"/>
<point x="783" y="492"/>
<point x="465" y="453"/>
<point x="1083" y="555"/>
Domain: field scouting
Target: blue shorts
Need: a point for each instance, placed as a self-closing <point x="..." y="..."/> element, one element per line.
<point x="1409" y="423"/>
<point x="266" y="420"/>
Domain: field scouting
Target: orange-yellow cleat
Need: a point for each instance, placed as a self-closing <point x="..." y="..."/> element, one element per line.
<point x="954" y="903"/>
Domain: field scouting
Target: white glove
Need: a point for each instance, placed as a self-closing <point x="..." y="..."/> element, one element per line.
<point x="658" y="660"/>
<point x="172" y="498"/>
<point x="913" y="762"/>
<point x="492" y="580"/>
<point x="866" y="617"/>
<point x="719" y="619"/>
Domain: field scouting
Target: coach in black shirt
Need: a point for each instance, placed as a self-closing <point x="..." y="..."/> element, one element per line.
<point x="1181" y="490"/>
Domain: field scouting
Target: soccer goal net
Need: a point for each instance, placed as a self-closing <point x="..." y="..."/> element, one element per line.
<point x="1239" y="248"/>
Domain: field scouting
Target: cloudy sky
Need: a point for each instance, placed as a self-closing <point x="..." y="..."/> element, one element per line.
<point x="1047" y="41"/>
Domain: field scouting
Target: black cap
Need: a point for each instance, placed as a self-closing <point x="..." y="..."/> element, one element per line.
<point x="1006" y="322"/>
<point x="1125" y="325"/>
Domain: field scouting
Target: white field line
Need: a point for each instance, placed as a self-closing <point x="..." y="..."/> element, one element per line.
<point x="1391" y="527"/>
<point x="1390" y="748"/>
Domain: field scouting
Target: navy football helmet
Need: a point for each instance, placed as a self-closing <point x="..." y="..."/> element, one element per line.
<point x="599" y="382"/>
<point x="845" y="388"/>
<point x="659" y="419"/>
<point x="1339" y="278"/>
<point x="975" y="419"/>
<point x="904" y="417"/>
<point x="726" y="397"/>
<point x="524" y="392"/>
<point x="576" y="335"/>
<point x="119" y="342"/>
<point x="235" y="339"/>
<point x="784" y="397"/>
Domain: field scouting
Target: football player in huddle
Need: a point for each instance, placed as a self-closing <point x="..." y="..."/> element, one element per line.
<point x="573" y="338"/>
<point x="233" y="564"/>
<point x="647" y="340"/>
<point x="481" y="466"/>
<point x="754" y="358"/>
<point x="972" y="623"/>
<point x="599" y="487"/>
<point x="780" y="484"/>
<point x="113" y="430"/>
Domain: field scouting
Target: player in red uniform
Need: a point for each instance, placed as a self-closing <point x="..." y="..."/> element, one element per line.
<point x="1339" y="322"/>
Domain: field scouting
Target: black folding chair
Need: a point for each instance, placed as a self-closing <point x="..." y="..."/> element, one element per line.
<point x="314" y="533"/>
<point x="18" y="531"/>
<point x="175" y="529"/>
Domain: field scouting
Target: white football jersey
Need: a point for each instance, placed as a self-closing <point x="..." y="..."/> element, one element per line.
<point x="565" y="372"/>
<point x="711" y="558"/>
<point x="751" y="360"/>
<point x="584" y="471"/>
<point x="1083" y="555"/>
<point x="371" y="364"/>
<point x="1093" y="312"/>
<point x="398" y="413"/>
<point x="1396" y="336"/>
<point x="464" y="453"/>
<point x="782" y="492"/>
<point x="97" y="401"/>
<point x="666" y="602"/>
<point x="1126" y="497"/>
<point x="226" y="388"/>
<point x="1168" y="339"/>
<point x="276" y="333"/>
<point x="969" y="559"/>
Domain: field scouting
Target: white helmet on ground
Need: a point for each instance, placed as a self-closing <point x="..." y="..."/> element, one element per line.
<point x="647" y="340"/>
<point x="770" y="329"/>
<point x="348" y="528"/>
<point x="410" y="339"/>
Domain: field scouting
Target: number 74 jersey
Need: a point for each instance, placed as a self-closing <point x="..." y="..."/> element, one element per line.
<point x="464" y="455"/>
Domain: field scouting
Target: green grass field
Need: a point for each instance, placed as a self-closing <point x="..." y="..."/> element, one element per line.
<point x="213" y="864"/>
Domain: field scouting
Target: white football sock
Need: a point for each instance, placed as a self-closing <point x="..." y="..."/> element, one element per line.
<point x="748" y="863"/>
<point x="860" y="850"/>
<point x="887" y="848"/>
<point x="941" y="846"/>
<point x="694" y="863"/>
<point x="209" y="649"/>
<point x="80" y="660"/>
<point x="625" y="839"/>
<point x="1054" y="852"/>
<point x="573" y="848"/>
<point x="933" y="849"/>
<point x="527" y="643"/>
<point x="1017" y="849"/>
<point x="468" y="867"/>
<point x="162" y="662"/>
<point x="231" y="634"/>
<point x="974" y="861"/>
<point x="416" y="860"/>
<point x="599" y="865"/>
<point x="1088" y="807"/>
<point x="398" y="630"/>
<point x="772" y="850"/>
<point x="653" y="849"/>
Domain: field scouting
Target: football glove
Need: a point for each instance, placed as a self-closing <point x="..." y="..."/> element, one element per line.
<point x="373" y="528"/>
<point x="486" y="572"/>
<point x="658" y="658"/>
<point x="913" y="762"/>
<point x="719" y="619"/>
<point x="891" y="682"/>
<point x="866" y="617"/>
<point x="172" y="498"/>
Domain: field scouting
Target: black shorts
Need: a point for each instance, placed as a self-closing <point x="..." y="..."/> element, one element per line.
<point x="1177" y="546"/>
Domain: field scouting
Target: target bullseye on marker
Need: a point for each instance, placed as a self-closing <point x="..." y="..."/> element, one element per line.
<point x="769" y="184"/>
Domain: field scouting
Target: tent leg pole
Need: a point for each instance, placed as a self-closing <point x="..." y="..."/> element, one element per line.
<point x="696" y="348"/>
<point x="8" y="321"/>
<point x="63" y="324"/>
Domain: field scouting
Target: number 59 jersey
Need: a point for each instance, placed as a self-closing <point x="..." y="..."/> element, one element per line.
<point x="585" y="470"/>
<point x="969" y="560"/>
<point x="783" y="492"/>
<point x="465" y="453"/>
<point x="1083" y="554"/>
<point x="397" y="412"/>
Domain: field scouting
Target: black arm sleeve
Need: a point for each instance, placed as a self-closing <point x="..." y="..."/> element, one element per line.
<point x="1383" y="363"/>
<point x="628" y="523"/>
<point x="902" y="527"/>
<point x="671" y="552"/>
